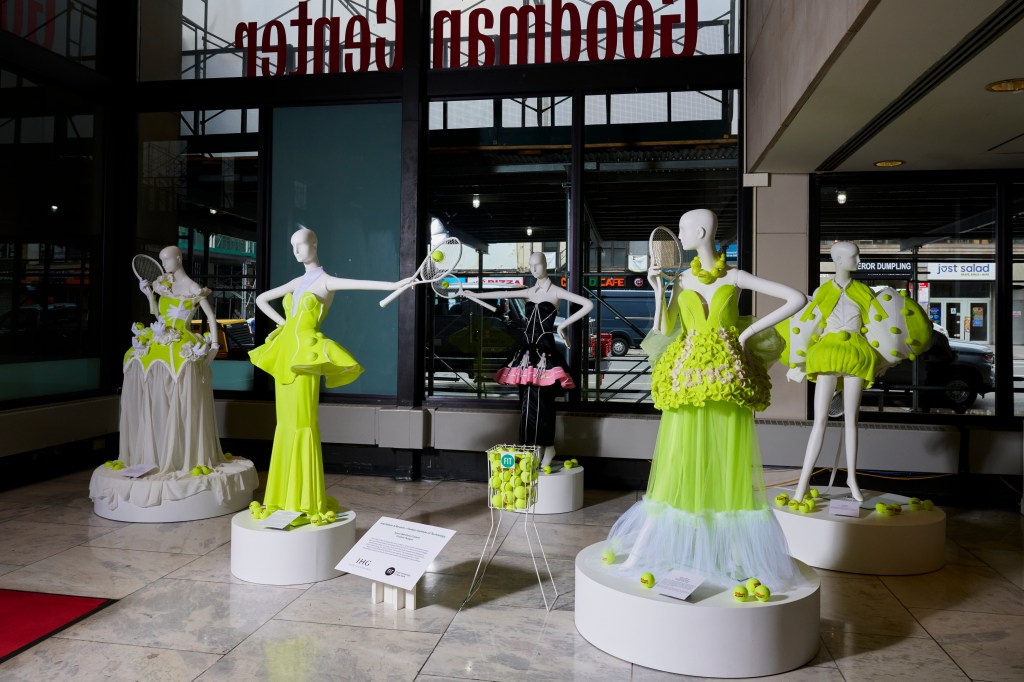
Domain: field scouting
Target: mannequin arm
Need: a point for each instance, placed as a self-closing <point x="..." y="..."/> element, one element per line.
<point x="794" y="302"/>
<point x="211" y="319"/>
<point x="585" y="304"/>
<point x="264" y="299"/>
<point x="344" y="284"/>
<point x="146" y="289"/>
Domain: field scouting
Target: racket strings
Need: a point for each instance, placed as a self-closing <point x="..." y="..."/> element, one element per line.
<point x="665" y="251"/>
<point x="442" y="260"/>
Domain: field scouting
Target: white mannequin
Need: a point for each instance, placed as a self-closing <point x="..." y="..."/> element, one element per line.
<point x="846" y="256"/>
<point x="544" y="291"/>
<point x="183" y="285"/>
<point x="304" y="246"/>
<point x="697" y="232"/>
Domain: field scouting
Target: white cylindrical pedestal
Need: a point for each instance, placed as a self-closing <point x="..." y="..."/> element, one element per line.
<point x="708" y="635"/>
<point x="306" y="554"/>
<point x="178" y="497"/>
<point x="907" y="543"/>
<point x="560" y="491"/>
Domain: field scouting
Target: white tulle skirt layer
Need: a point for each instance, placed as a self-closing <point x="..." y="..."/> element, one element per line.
<point x="227" y="482"/>
<point x="169" y="422"/>
<point x="722" y="547"/>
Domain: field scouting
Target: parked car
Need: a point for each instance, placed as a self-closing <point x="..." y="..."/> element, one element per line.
<point x="236" y="338"/>
<point x="952" y="373"/>
<point x="626" y="315"/>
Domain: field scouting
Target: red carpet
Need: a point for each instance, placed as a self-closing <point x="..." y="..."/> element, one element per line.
<point x="30" y="617"/>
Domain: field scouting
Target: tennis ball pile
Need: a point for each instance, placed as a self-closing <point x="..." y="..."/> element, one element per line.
<point x="914" y="504"/>
<point x="201" y="470"/>
<point x="570" y="463"/>
<point x="114" y="464"/>
<point x="751" y="589"/>
<point x="513" y="488"/>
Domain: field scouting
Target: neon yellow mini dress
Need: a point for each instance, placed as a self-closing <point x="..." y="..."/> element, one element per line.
<point x="705" y="510"/>
<point x="297" y="354"/>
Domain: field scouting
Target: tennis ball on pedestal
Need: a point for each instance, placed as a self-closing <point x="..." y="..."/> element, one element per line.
<point x="254" y="509"/>
<point x="782" y="500"/>
<point x="330" y="516"/>
<point x="751" y="585"/>
<point x="567" y="464"/>
<point x="880" y="507"/>
<point x="608" y="556"/>
<point x="647" y="580"/>
<point x="547" y="468"/>
<point x="811" y="504"/>
<point x="927" y="505"/>
<point x="314" y="519"/>
<point x="762" y="593"/>
<point x="804" y="508"/>
<point x="196" y="471"/>
<point x="894" y="508"/>
<point x="575" y="462"/>
<point x="914" y="504"/>
<point x="814" y="493"/>
<point x="739" y="593"/>
<point x="794" y="504"/>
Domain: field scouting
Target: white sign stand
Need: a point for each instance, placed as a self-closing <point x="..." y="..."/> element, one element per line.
<point x="395" y="554"/>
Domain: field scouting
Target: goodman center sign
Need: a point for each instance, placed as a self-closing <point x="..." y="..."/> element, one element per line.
<point x="468" y="34"/>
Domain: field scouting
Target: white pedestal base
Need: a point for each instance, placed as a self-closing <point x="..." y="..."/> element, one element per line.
<point x="396" y="597"/>
<point x="196" y="502"/>
<point x="908" y="543"/>
<point x="708" y="635"/>
<point x="560" y="491"/>
<point x="306" y="554"/>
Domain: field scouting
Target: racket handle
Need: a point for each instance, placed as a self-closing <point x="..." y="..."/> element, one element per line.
<point x="478" y="301"/>
<point x="394" y="294"/>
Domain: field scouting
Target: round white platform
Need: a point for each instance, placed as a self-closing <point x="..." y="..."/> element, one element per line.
<point x="166" y="498"/>
<point x="708" y="635"/>
<point x="306" y="554"/>
<point x="907" y="543"/>
<point x="560" y="491"/>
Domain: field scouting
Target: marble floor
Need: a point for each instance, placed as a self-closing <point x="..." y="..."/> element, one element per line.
<point x="181" y="615"/>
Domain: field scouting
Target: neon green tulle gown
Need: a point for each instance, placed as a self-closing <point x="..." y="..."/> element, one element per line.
<point x="705" y="510"/>
<point x="297" y="354"/>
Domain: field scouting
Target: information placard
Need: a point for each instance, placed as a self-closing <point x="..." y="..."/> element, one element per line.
<point x="395" y="552"/>
<point x="844" y="506"/>
<point x="678" y="584"/>
<point x="137" y="470"/>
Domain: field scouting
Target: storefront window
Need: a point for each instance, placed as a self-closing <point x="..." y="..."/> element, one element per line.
<point x="202" y="198"/>
<point x="504" y="199"/>
<point x="936" y="242"/>
<point x="67" y="27"/>
<point x="1017" y="303"/>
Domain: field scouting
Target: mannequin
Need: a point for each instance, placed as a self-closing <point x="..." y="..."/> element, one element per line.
<point x="537" y="366"/>
<point x="167" y="414"/>
<point x="705" y="508"/>
<point x="297" y="354"/>
<point x="840" y="336"/>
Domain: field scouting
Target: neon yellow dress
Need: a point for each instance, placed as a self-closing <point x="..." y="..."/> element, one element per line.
<point x="297" y="354"/>
<point x="705" y="510"/>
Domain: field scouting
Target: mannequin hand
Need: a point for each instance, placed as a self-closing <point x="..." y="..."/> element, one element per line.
<point x="565" y="338"/>
<point x="145" y="287"/>
<point x="795" y="374"/>
<point x="654" y="277"/>
<point x="744" y="336"/>
<point x="403" y="282"/>
<point x="274" y="333"/>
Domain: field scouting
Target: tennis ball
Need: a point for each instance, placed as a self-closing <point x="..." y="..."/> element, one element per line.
<point x="880" y="507"/>
<point x="520" y="493"/>
<point x="782" y="500"/>
<point x="608" y="556"/>
<point x="437" y="256"/>
<point x="739" y="593"/>
<point x="568" y="464"/>
<point x="506" y="474"/>
<point x="445" y="284"/>
<point x="914" y="504"/>
<point x="927" y="505"/>
<point x="496" y="482"/>
<point x="894" y="508"/>
<point x="914" y="500"/>
<point x="196" y="471"/>
<point x="804" y="508"/>
<point x="547" y="468"/>
<point x="814" y="493"/>
<point x="575" y="462"/>
<point x="496" y="500"/>
<point x="762" y="593"/>
<point x="205" y="469"/>
<point x="314" y="519"/>
<point x="647" y="580"/>
<point x="752" y="584"/>
<point x="520" y="504"/>
<point x="330" y="516"/>
<point x="794" y="504"/>
<point x="508" y="487"/>
<point x="526" y="477"/>
<point x="810" y="504"/>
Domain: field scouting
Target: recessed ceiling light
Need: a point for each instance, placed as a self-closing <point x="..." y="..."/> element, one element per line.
<point x="889" y="163"/>
<point x="1008" y="85"/>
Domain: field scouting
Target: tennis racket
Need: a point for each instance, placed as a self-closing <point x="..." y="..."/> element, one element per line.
<point x="146" y="268"/>
<point x="441" y="260"/>
<point x="451" y="287"/>
<point x="665" y="252"/>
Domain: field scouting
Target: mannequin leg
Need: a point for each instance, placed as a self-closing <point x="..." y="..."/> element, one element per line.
<point x="824" y="389"/>
<point x="549" y="455"/>
<point x="853" y="388"/>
